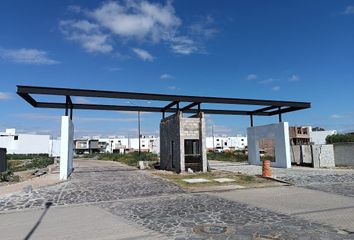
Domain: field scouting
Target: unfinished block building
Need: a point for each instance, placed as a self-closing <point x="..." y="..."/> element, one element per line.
<point x="183" y="143"/>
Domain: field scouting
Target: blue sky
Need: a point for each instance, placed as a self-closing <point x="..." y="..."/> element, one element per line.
<point x="283" y="50"/>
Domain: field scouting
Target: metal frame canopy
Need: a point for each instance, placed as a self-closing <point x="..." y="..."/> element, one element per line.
<point x="266" y="107"/>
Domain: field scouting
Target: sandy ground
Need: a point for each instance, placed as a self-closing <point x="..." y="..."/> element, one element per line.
<point x="36" y="182"/>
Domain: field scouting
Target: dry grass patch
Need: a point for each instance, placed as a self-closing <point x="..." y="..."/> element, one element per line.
<point x="246" y="181"/>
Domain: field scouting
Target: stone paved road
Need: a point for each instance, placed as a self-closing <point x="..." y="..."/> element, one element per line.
<point x="163" y="207"/>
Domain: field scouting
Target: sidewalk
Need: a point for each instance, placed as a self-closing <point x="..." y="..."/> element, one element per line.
<point x="74" y="222"/>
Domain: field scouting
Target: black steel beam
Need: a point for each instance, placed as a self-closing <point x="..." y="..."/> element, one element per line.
<point x="157" y="97"/>
<point x="142" y="109"/>
<point x="189" y="106"/>
<point x="170" y="105"/>
<point x="284" y="110"/>
<point x="264" y="109"/>
<point x="28" y="98"/>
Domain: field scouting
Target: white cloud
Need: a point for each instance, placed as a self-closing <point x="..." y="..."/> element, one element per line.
<point x="27" y="56"/>
<point x="143" y="54"/>
<point x="174" y="88"/>
<point x="276" y="88"/>
<point x="349" y="10"/>
<point x="137" y="20"/>
<point x="337" y="116"/>
<point x="267" y="81"/>
<point x="294" y="78"/>
<point x="204" y="28"/>
<point x="74" y="8"/>
<point x="140" y="20"/>
<point x="251" y="76"/>
<point x="36" y="116"/>
<point x="103" y="119"/>
<point x="183" y="45"/>
<point x="87" y="34"/>
<point x="166" y="76"/>
<point x="5" y="96"/>
<point x="82" y="100"/>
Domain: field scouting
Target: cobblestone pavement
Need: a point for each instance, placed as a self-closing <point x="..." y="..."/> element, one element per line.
<point x="89" y="185"/>
<point x="337" y="181"/>
<point x="190" y="217"/>
<point x="161" y="206"/>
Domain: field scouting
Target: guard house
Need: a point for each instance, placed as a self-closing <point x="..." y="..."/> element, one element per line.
<point x="183" y="143"/>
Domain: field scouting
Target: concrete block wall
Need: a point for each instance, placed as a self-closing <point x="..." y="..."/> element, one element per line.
<point x="306" y="154"/>
<point x="317" y="156"/>
<point x="295" y="154"/>
<point x="323" y="156"/>
<point x="344" y="154"/>
<point x="170" y="135"/>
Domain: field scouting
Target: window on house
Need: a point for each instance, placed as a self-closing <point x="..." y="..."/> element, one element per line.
<point x="225" y="143"/>
<point x="15" y="137"/>
<point x="191" y="147"/>
<point x="143" y="145"/>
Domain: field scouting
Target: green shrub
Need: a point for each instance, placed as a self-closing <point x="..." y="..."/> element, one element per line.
<point x="131" y="159"/>
<point x="338" y="138"/>
<point x="25" y="156"/>
<point x="35" y="163"/>
<point x="228" y="156"/>
<point x="9" y="177"/>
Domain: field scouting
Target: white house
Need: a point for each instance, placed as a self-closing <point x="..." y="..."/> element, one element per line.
<point x="123" y="144"/>
<point x="19" y="143"/>
<point x="225" y="143"/>
<point x="319" y="137"/>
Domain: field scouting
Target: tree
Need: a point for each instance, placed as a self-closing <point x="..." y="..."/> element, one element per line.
<point x="338" y="138"/>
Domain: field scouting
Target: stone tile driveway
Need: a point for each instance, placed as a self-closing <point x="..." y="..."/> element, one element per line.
<point x="148" y="201"/>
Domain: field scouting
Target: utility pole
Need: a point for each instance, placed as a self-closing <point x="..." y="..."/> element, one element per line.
<point x="139" y="132"/>
<point x="212" y="132"/>
<point x="139" y="137"/>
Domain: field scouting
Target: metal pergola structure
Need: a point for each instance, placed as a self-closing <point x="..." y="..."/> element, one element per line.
<point x="192" y="104"/>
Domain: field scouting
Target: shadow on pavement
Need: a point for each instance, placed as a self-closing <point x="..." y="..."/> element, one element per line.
<point x="47" y="206"/>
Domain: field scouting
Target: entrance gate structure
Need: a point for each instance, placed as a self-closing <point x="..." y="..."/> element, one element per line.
<point x="178" y="105"/>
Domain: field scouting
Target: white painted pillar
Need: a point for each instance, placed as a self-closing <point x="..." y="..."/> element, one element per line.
<point x="66" y="147"/>
<point x="280" y="134"/>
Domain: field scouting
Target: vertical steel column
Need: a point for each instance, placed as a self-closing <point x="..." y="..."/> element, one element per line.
<point x="71" y="112"/>
<point x="67" y="106"/>
<point x="280" y="116"/>
<point x="251" y="116"/>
